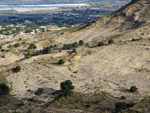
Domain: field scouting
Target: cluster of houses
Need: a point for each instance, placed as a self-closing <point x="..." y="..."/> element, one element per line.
<point x="9" y="31"/>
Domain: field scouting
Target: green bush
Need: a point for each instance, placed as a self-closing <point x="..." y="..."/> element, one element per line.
<point x="3" y="56"/>
<point x="16" y="45"/>
<point x="46" y="50"/>
<point x="9" y="46"/>
<point x="87" y="45"/>
<point x="61" y="61"/>
<point x="111" y="41"/>
<point x="32" y="46"/>
<point x="20" y="39"/>
<point x="131" y="104"/>
<point x="17" y="69"/>
<point x="4" y="89"/>
<point x="2" y="50"/>
<point x="74" y="50"/>
<point x="81" y="42"/>
<point x="39" y="91"/>
<point x="133" y="39"/>
<point x="120" y="106"/>
<point x="28" y="55"/>
<point x="66" y="88"/>
<point x="70" y="46"/>
<point x="101" y="43"/>
<point x="38" y="52"/>
<point x="133" y="89"/>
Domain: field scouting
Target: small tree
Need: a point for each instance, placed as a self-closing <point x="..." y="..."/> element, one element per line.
<point x="38" y="52"/>
<point x="66" y="88"/>
<point x="87" y="45"/>
<point x="4" y="89"/>
<point x="16" y="45"/>
<point x="81" y="42"/>
<point x="101" y="43"/>
<point x="111" y="41"/>
<point x="32" y="46"/>
<point x="133" y="89"/>
<point x="39" y="91"/>
<point x="46" y="50"/>
<point x="17" y="69"/>
<point x="120" y="105"/>
<point x="28" y="55"/>
<point x="61" y="61"/>
<point x="74" y="50"/>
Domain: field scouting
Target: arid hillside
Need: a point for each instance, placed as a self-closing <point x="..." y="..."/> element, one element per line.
<point x="109" y="55"/>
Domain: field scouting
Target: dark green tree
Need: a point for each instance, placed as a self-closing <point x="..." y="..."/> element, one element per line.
<point x="28" y="55"/>
<point x="81" y="42"/>
<point x="39" y="91"/>
<point x="101" y="43"/>
<point x="46" y="50"/>
<point x="17" y="69"/>
<point x="32" y="46"/>
<point x="16" y="45"/>
<point x="38" y="52"/>
<point x="4" y="89"/>
<point x="133" y="89"/>
<point x="120" y="105"/>
<point x="111" y="41"/>
<point x="66" y="88"/>
<point x="61" y="61"/>
<point x="74" y="50"/>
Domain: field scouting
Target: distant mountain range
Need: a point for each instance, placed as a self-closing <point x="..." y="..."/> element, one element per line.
<point x="50" y="1"/>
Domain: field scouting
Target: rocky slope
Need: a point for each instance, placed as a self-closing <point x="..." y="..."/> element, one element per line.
<point x="120" y="25"/>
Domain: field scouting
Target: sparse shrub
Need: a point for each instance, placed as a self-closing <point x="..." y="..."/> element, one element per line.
<point x="46" y="50"/>
<point x="0" y="47"/>
<point x="133" y="39"/>
<point x="123" y="97"/>
<point x="9" y="46"/>
<point x="66" y="88"/>
<point x="61" y="61"/>
<point x="101" y="43"/>
<point x="133" y="89"/>
<point x="55" y="45"/>
<point x="32" y="46"/>
<point x="3" y="56"/>
<point x="87" y="45"/>
<point x="111" y="41"/>
<point x="39" y="91"/>
<point x="17" y="69"/>
<point x="2" y="50"/>
<point x="60" y="50"/>
<point x="20" y="39"/>
<point x="38" y="52"/>
<point x="131" y="104"/>
<point x="28" y="55"/>
<point x="74" y="50"/>
<point x="16" y="45"/>
<point x="23" y="42"/>
<point x="120" y="105"/>
<point x="81" y="42"/>
<point x="75" y="71"/>
<point x="4" y="89"/>
<point x="70" y="46"/>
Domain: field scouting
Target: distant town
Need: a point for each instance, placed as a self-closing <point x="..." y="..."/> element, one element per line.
<point x="14" y="23"/>
<point x="11" y="30"/>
